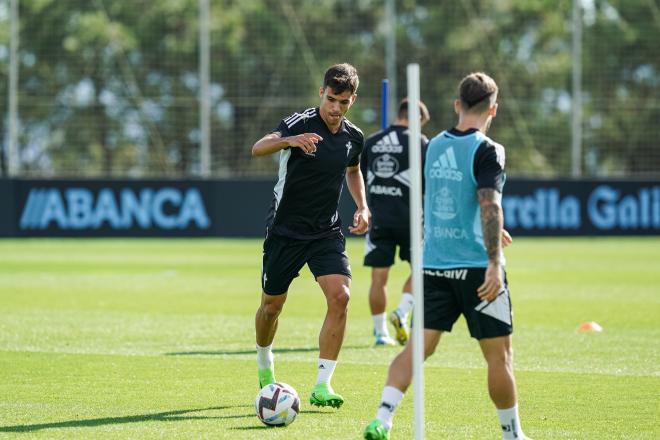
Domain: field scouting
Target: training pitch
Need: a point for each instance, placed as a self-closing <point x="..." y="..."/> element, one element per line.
<point x="154" y="338"/>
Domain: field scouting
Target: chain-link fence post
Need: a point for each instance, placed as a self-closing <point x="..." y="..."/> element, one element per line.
<point x="390" y="56"/>
<point x="13" y="150"/>
<point x="204" y="89"/>
<point x="576" y="113"/>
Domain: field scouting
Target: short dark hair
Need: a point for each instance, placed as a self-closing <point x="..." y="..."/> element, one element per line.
<point x="341" y="77"/>
<point x="402" y="113"/>
<point x="477" y="92"/>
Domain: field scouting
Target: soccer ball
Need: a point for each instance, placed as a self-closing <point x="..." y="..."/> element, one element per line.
<point x="277" y="404"/>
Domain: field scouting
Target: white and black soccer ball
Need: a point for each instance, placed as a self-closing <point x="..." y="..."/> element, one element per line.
<point x="277" y="404"/>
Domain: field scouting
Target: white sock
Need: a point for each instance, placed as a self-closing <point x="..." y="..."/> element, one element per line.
<point x="405" y="304"/>
<point x="510" y="421"/>
<point x="380" y="324"/>
<point x="326" y="368"/>
<point x="264" y="356"/>
<point x="389" y="400"/>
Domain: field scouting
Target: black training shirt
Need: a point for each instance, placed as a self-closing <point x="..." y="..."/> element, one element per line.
<point x="385" y="167"/>
<point x="307" y="192"/>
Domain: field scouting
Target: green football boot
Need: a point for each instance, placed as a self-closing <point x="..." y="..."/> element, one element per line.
<point x="266" y="376"/>
<point x="324" y="395"/>
<point x="376" y="431"/>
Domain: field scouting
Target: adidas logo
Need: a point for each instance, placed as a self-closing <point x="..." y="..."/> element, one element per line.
<point x="445" y="167"/>
<point x="388" y="144"/>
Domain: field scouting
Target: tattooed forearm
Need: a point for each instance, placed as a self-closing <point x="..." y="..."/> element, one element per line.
<point x="491" y="222"/>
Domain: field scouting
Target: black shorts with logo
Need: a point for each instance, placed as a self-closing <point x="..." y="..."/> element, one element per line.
<point x="380" y="246"/>
<point x="448" y="293"/>
<point x="284" y="257"/>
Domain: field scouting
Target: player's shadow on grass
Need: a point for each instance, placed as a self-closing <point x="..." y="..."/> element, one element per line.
<point x="240" y="352"/>
<point x="262" y="426"/>
<point x="168" y="416"/>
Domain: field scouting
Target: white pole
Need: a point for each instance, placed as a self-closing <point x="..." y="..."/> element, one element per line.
<point x="416" y="246"/>
<point x="204" y="88"/>
<point x="576" y="114"/>
<point x="13" y="152"/>
<point x="390" y="56"/>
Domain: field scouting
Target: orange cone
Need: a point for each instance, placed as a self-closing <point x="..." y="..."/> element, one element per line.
<point x="590" y="326"/>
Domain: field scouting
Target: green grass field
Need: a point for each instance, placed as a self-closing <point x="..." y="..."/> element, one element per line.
<point x="155" y="339"/>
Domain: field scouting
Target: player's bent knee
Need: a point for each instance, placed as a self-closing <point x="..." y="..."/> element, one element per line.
<point x="272" y="310"/>
<point x="500" y="357"/>
<point x="339" y="300"/>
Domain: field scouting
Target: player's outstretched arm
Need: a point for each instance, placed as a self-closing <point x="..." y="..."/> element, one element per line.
<point x="492" y="222"/>
<point x="274" y="142"/>
<point x="355" y="184"/>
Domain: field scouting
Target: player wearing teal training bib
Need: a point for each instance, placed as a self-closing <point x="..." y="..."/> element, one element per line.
<point x="462" y="257"/>
<point x="458" y="164"/>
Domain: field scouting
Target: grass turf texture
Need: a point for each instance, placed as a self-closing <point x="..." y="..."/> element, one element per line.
<point x="154" y="339"/>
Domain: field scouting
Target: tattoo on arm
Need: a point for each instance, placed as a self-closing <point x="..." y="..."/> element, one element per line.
<point x="492" y="222"/>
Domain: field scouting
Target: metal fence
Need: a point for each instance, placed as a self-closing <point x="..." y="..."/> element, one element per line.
<point x="111" y="88"/>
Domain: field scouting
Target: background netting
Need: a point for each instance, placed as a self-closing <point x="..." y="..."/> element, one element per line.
<point x="110" y="87"/>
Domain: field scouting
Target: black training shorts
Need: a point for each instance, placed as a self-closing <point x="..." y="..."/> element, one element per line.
<point x="284" y="257"/>
<point x="448" y="293"/>
<point x="380" y="246"/>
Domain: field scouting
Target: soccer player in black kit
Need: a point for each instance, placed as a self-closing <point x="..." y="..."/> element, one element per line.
<point x="384" y="165"/>
<point x="318" y="148"/>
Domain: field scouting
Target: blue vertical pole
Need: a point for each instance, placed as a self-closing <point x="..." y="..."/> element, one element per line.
<point x="384" y="91"/>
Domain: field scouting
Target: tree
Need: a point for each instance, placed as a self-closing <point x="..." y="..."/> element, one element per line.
<point x="109" y="87"/>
